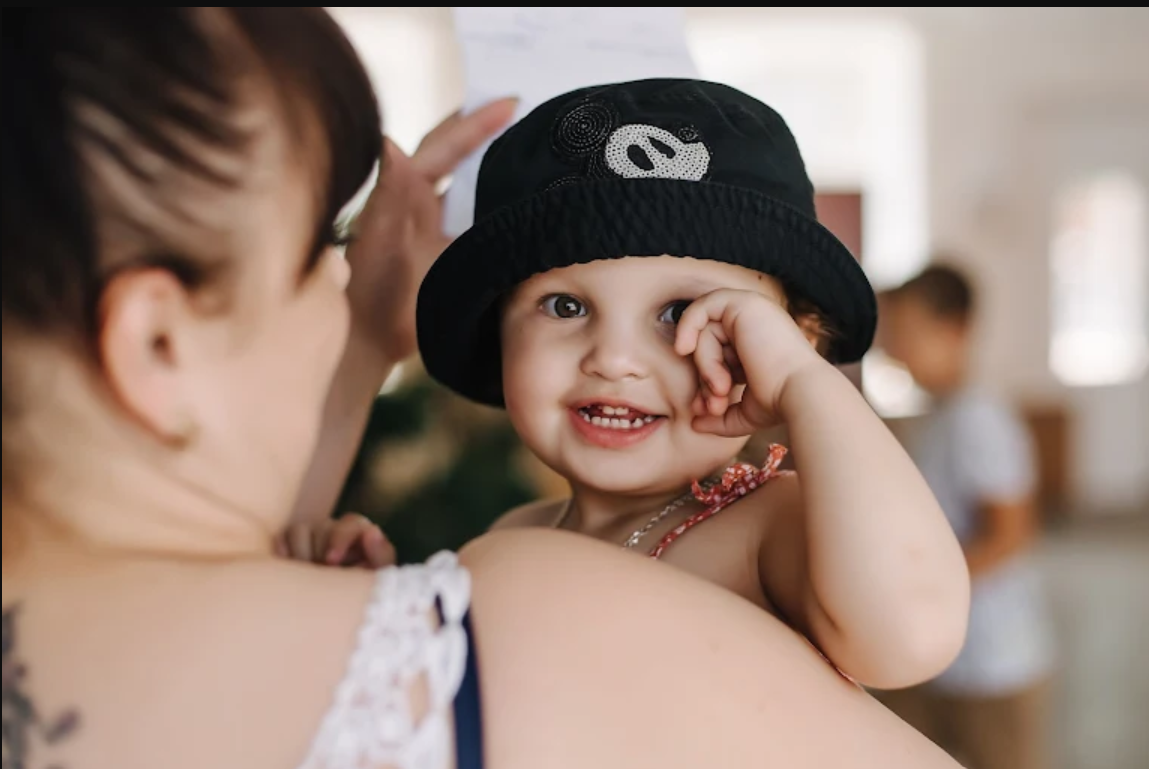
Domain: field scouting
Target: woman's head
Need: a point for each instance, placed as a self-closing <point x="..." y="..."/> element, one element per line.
<point x="172" y="307"/>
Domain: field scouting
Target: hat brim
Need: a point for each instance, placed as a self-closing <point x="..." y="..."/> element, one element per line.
<point x="458" y="327"/>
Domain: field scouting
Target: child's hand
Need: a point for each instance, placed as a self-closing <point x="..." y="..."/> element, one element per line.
<point x="350" y="540"/>
<point x="741" y="338"/>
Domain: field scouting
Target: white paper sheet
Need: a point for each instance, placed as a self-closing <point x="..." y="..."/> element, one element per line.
<point x="536" y="53"/>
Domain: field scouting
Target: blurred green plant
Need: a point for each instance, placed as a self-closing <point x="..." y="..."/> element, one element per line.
<point x="434" y="471"/>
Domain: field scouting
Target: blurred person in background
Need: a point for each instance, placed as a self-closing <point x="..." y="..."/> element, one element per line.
<point x="990" y="707"/>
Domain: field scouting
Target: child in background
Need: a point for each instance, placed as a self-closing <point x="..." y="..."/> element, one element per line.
<point x="989" y="707"/>
<point x="644" y="287"/>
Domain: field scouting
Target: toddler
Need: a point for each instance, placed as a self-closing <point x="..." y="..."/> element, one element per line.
<point x="646" y="285"/>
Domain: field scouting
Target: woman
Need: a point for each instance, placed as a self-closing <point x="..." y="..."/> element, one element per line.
<point x="174" y="318"/>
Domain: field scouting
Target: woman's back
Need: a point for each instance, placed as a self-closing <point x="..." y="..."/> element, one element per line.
<point x="581" y="659"/>
<point x="180" y="664"/>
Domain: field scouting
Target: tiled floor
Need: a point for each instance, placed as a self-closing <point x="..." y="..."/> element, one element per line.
<point x="1099" y="580"/>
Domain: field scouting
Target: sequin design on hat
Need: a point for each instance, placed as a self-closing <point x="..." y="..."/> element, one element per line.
<point x="638" y="151"/>
<point x="592" y="135"/>
<point x="584" y="129"/>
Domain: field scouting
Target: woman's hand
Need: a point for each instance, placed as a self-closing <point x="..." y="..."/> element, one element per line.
<point x="399" y="232"/>
<point x="395" y="239"/>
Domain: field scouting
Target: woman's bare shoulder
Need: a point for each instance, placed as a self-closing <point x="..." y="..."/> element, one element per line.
<point x="540" y="513"/>
<point x="576" y="637"/>
<point x="154" y="656"/>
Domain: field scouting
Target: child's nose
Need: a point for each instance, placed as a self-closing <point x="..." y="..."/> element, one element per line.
<point x="616" y="354"/>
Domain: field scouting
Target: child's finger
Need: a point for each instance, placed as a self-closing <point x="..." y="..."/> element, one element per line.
<point x="706" y="309"/>
<point x="730" y="424"/>
<point x="300" y="543"/>
<point x="716" y="378"/>
<point x="733" y="364"/>
<point x="713" y="404"/>
<point x="345" y="532"/>
<point x="719" y="404"/>
<point x="691" y="324"/>
<point x="711" y="364"/>
<point x="702" y="399"/>
<point x="698" y="405"/>
<point x="377" y="549"/>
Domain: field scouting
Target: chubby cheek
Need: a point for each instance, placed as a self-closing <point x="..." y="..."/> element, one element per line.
<point x="680" y="384"/>
<point x="702" y="448"/>
<point x="532" y="388"/>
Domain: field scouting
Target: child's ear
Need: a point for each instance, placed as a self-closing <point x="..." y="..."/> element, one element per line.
<point x="811" y="326"/>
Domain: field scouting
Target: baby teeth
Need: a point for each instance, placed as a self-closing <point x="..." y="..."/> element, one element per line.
<point x="615" y="423"/>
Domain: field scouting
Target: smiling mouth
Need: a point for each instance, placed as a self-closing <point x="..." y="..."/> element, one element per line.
<point x="615" y="417"/>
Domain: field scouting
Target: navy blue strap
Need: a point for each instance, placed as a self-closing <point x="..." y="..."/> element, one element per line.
<point x="468" y="710"/>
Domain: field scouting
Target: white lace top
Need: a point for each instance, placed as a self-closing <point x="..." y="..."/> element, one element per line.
<point x="371" y="724"/>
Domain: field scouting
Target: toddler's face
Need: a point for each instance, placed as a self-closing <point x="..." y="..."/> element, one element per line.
<point x="591" y="379"/>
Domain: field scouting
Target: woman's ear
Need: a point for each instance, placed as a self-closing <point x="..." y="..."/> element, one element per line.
<point x="145" y="328"/>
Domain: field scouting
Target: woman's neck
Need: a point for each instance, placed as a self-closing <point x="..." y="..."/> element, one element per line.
<point x="131" y="510"/>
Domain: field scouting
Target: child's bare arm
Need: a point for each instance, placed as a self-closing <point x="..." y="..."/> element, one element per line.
<point x="887" y="585"/>
<point x="862" y="558"/>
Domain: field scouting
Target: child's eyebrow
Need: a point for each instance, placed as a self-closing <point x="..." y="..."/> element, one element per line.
<point x="691" y="286"/>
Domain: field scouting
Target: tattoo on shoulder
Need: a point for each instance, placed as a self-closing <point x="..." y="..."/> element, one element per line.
<point x="25" y="728"/>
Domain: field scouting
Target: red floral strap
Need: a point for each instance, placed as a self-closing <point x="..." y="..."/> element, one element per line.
<point x="737" y="481"/>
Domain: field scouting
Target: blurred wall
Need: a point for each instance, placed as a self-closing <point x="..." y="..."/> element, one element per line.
<point x="1018" y="109"/>
<point x="960" y="124"/>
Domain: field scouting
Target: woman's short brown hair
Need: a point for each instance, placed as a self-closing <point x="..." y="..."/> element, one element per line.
<point x="122" y="86"/>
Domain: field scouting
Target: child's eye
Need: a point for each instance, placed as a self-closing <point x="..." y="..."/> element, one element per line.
<point x="563" y="306"/>
<point x="673" y="312"/>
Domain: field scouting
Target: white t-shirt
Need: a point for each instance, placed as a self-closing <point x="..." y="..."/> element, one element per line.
<point x="974" y="448"/>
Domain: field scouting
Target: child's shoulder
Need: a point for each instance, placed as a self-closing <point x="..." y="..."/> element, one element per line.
<point x="543" y="512"/>
<point x="760" y="485"/>
<point x="777" y="493"/>
<point x="760" y="505"/>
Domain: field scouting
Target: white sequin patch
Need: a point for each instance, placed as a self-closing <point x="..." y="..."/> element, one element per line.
<point x="638" y="151"/>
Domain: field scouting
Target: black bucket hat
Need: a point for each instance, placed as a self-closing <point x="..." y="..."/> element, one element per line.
<point x="643" y="168"/>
